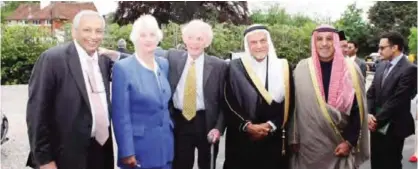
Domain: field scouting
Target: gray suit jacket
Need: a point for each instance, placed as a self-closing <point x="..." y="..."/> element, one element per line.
<point x="58" y="112"/>
<point x="363" y="67"/>
<point x="213" y="84"/>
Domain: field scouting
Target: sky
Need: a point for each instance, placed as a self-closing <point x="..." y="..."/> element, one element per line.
<point x="332" y="9"/>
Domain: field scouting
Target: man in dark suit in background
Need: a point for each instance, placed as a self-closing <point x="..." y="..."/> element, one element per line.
<point x="196" y="81"/>
<point x="68" y="108"/>
<point x="122" y="46"/>
<point x="343" y="43"/>
<point x="389" y="101"/>
<point x="352" y="49"/>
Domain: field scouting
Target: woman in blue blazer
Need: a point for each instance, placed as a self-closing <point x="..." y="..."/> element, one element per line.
<point x="140" y="94"/>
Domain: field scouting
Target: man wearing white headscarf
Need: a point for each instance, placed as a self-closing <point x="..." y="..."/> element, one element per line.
<point x="258" y="97"/>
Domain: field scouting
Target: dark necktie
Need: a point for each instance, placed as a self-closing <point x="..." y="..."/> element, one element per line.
<point x="386" y="72"/>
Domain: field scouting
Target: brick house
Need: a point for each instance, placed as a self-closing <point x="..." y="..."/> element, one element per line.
<point x="54" y="16"/>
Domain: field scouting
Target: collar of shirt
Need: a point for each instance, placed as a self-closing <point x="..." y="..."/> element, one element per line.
<point x="396" y="59"/>
<point x="259" y="66"/>
<point x="145" y="65"/>
<point x="260" y="69"/>
<point x="257" y="63"/>
<point x="83" y="54"/>
<point x="198" y="61"/>
<point x="353" y="58"/>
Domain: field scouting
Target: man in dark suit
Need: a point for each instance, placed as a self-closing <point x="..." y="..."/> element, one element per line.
<point x="389" y="101"/>
<point x="343" y="43"/>
<point x="68" y="107"/>
<point x="352" y="49"/>
<point x="122" y="46"/>
<point x="196" y="81"/>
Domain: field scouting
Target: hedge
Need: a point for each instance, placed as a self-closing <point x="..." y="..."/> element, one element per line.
<point x="22" y="45"/>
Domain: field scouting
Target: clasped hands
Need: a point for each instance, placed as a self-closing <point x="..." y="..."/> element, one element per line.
<point x="131" y="162"/>
<point x="258" y="131"/>
<point x="372" y="122"/>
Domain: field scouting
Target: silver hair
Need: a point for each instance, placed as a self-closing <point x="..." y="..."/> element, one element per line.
<point x="145" y="22"/>
<point x="121" y="43"/>
<point x="77" y="18"/>
<point x="198" y="25"/>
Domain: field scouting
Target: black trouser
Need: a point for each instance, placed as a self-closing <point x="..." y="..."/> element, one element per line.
<point x="188" y="136"/>
<point x="243" y="153"/>
<point x="386" y="151"/>
<point x="97" y="158"/>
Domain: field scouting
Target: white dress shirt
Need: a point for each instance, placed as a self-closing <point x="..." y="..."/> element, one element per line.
<point x="82" y="54"/>
<point x="394" y="61"/>
<point x="353" y="58"/>
<point x="260" y="69"/>
<point x="179" y="93"/>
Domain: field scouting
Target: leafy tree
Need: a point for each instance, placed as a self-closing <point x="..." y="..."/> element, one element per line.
<point x="356" y="29"/>
<point x="291" y="35"/>
<point x="393" y="16"/>
<point x="413" y="41"/>
<point x="181" y="12"/>
<point x="278" y="15"/>
<point x="22" y="45"/>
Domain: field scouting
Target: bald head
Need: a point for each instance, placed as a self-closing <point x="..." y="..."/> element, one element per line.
<point x="88" y="30"/>
<point x="87" y="13"/>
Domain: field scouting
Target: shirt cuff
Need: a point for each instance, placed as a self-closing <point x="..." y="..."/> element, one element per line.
<point x="244" y="127"/>
<point x="273" y="127"/>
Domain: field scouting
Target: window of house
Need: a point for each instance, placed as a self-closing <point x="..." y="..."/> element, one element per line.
<point x="36" y="22"/>
<point x="48" y="22"/>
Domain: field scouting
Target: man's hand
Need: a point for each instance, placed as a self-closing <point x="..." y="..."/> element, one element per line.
<point x="130" y="161"/>
<point x="214" y="135"/>
<point x="372" y="122"/>
<point x="111" y="54"/>
<point x="266" y="126"/>
<point x="50" y="165"/>
<point x="257" y="131"/>
<point x="343" y="149"/>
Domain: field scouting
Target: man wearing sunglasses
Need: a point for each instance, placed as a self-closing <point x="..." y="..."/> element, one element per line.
<point x="389" y="101"/>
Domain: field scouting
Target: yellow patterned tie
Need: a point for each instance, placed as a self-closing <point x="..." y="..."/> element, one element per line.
<point x="189" y="99"/>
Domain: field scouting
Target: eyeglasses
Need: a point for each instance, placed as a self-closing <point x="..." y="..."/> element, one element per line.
<point x="383" y="47"/>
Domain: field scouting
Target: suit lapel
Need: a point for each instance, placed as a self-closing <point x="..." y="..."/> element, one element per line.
<point x="180" y="67"/>
<point x="379" y="75"/>
<point x="393" y="72"/>
<point x="74" y="64"/>
<point x="103" y="70"/>
<point x="207" y="68"/>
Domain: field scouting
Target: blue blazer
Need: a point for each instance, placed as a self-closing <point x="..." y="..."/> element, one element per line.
<point x="141" y="120"/>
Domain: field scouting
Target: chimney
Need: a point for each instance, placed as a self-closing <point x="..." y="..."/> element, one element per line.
<point x="44" y="3"/>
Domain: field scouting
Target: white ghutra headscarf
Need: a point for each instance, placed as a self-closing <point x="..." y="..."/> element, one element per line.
<point x="276" y="81"/>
